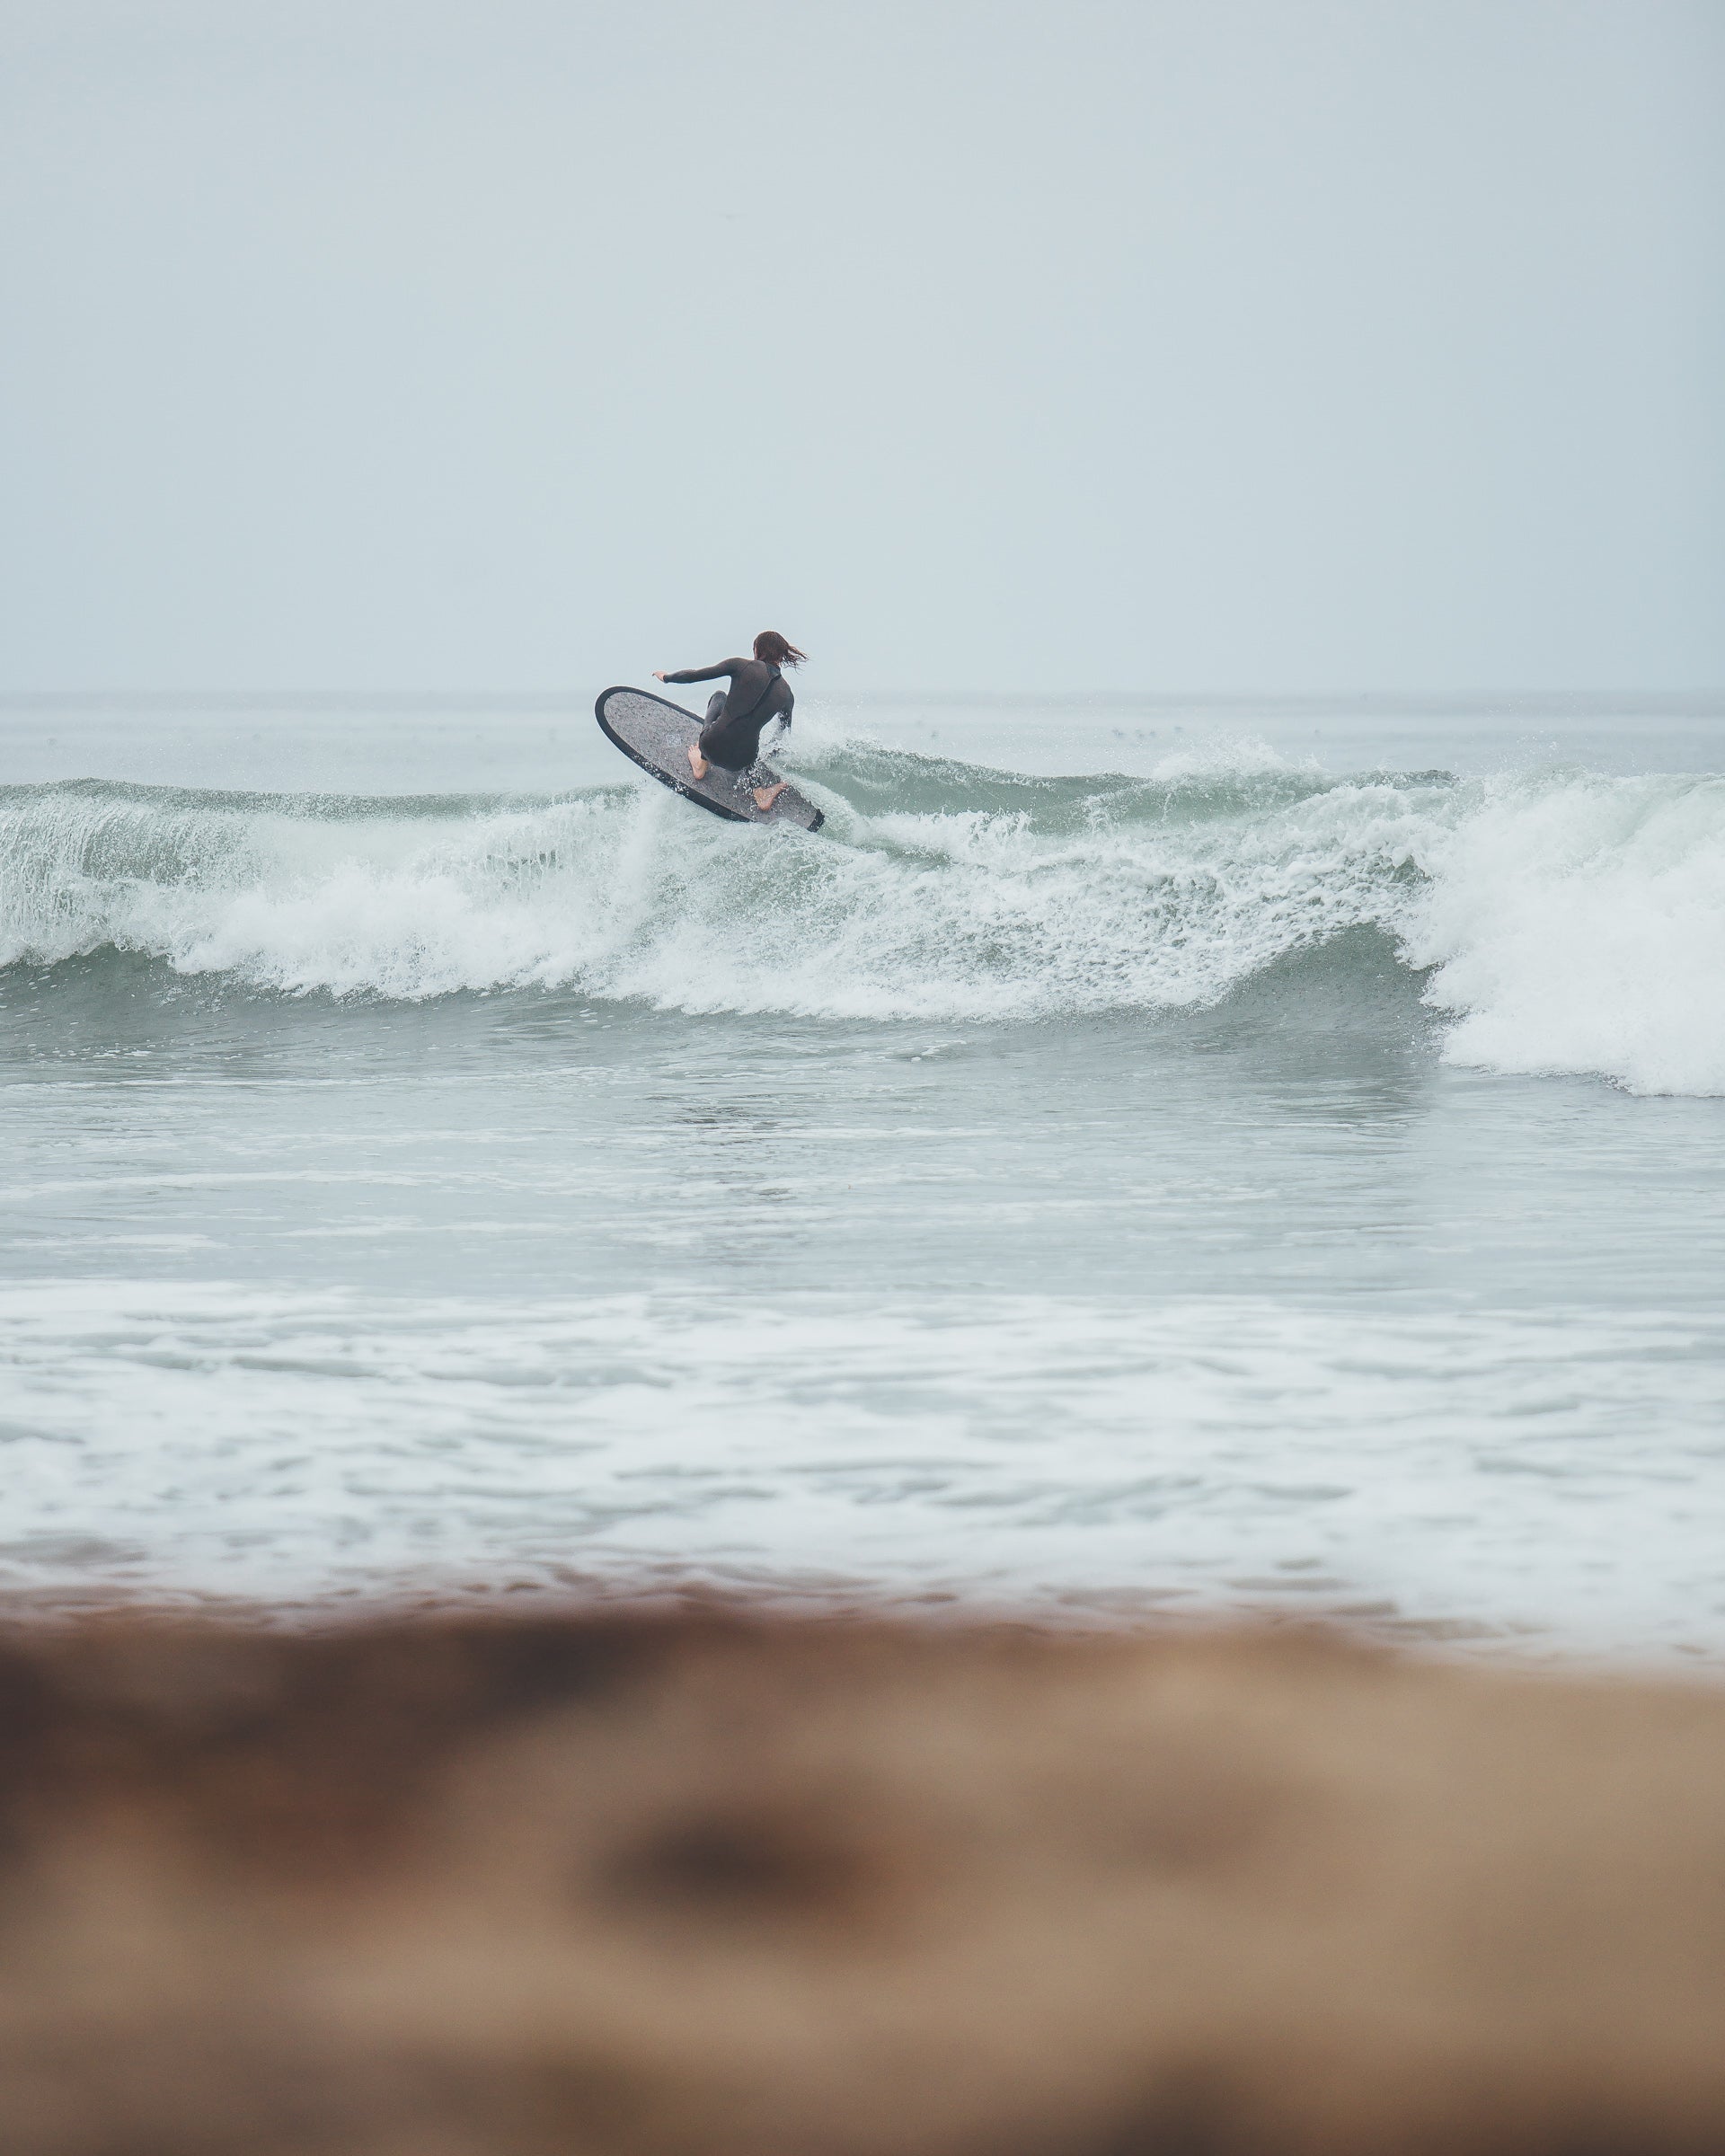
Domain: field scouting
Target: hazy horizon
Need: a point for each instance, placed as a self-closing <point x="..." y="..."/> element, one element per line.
<point x="1220" y="351"/>
<point x="1618" y="703"/>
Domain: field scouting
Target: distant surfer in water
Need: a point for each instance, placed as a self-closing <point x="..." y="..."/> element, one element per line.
<point x="758" y="692"/>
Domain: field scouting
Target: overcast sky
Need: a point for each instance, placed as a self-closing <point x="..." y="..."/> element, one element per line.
<point x="1180" y="345"/>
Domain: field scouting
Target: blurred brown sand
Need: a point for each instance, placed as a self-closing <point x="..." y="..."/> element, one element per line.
<point x="657" y="1886"/>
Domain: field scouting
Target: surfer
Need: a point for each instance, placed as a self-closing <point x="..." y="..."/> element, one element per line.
<point x="758" y="692"/>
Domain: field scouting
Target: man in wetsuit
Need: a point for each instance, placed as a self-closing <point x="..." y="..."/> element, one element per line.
<point x="758" y="692"/>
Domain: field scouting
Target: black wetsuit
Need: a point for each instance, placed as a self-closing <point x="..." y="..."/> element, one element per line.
<point x="758" y="693"/>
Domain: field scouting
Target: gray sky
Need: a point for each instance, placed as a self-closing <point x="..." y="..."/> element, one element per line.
<point x="1165" y="344"/>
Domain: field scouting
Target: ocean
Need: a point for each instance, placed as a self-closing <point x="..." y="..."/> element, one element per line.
<point x="1137" y="1160"/>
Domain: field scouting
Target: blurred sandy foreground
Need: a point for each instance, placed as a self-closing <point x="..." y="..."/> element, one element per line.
<point x="645" y="1886"/>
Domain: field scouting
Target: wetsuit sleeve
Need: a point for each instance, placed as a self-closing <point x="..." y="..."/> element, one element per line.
<point x="726" y="666"/>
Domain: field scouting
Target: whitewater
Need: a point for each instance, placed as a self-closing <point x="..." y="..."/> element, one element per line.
<point x="1568" y="922"/>
<point x="1122" y="1164"/>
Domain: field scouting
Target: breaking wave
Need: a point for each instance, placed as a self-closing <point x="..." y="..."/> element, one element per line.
<point x="1566" y="922"/>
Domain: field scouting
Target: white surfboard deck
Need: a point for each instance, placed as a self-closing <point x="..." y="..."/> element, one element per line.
<point x="658" y="735"/>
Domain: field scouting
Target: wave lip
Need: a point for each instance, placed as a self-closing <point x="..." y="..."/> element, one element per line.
<point x="1569" y="923"/>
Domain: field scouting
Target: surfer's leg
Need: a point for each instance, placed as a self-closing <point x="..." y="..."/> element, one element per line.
<point x="766" y="784"/>
<point x="698" y="746"/>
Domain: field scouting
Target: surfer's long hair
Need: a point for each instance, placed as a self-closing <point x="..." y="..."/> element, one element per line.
<point x="777" y="650"/>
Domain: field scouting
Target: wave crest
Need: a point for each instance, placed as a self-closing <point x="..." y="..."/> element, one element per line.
<point x="1571" y="922"/>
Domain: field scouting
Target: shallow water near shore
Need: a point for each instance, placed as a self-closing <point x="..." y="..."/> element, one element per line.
<point x="1132" y="1160"/>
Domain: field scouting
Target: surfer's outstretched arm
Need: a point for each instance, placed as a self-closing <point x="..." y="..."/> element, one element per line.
<point x="726" y="666"/>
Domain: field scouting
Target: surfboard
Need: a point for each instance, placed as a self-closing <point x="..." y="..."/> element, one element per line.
<point x="658" y="735"/>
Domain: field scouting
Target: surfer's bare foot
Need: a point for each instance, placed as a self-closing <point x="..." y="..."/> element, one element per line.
<point x="697" y="762"/>
<point x="764" y="796"/>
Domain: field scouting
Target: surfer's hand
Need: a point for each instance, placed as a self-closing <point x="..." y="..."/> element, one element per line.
<point x="659" y="673"/>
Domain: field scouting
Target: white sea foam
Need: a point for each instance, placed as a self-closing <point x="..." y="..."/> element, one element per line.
<point x="1579" y="925"/>
<point x="1572" y="923"/>
<point x="1090" y="1454"/>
